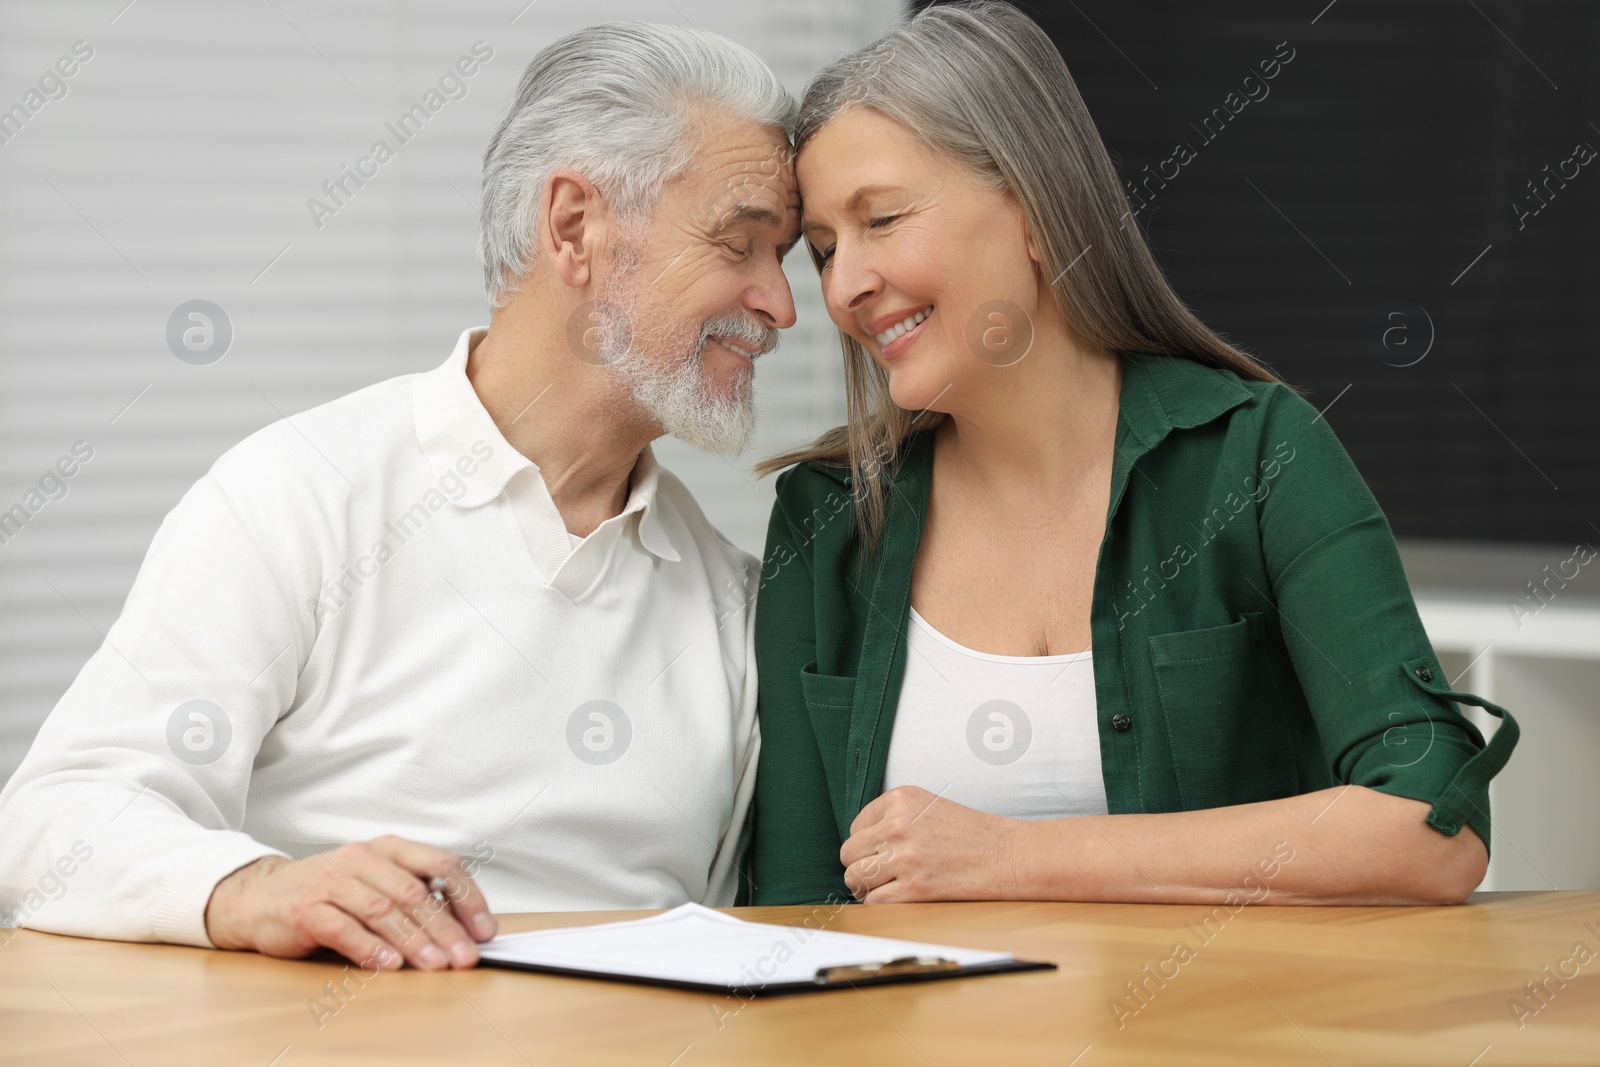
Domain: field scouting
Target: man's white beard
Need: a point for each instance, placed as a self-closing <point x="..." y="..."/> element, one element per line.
<point x="660" y="362"/>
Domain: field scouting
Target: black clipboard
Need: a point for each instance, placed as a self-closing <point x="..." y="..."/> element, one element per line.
<point x="905" y="969"/>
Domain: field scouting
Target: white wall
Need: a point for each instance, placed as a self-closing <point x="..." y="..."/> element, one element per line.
<point x="177" y="166"/>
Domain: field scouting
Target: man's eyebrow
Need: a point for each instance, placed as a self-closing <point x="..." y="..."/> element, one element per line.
<point x="756" y="213"/>
<point x="751" y="213"/>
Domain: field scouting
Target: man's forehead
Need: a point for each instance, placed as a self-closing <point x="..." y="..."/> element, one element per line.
<point x="752" y="181"/>
<point x="752" y="164"/>
<point x="744" y="144"/>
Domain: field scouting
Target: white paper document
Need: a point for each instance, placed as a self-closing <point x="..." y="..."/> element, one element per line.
<point x="696" y="945"/>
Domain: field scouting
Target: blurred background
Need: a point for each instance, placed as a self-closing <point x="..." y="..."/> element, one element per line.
<point x="1404" y="217"/>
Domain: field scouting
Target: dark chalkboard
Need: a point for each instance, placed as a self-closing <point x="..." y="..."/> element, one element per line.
<point x="1401" y="220"/>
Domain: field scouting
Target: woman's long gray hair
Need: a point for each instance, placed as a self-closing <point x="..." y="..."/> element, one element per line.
<point x="982" y="84"/>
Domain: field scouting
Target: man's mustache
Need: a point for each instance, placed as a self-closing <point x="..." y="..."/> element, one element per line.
<point x="763" y="338"/>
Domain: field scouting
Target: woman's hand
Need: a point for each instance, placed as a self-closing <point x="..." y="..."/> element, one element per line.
<point x="910" y="845"/>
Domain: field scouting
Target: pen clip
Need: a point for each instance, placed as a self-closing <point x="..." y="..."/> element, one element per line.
<point x="889" y="968"/>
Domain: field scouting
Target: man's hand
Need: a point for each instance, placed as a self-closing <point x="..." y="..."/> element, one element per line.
<point x="369" y="901"/>
<point x="910" y="845"/>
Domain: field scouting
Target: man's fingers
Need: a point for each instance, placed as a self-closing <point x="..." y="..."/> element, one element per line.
<point x="425" y="918"/>
<point x="414" y="919"/>
<point x="396" y="924"/>
<point x="369" y="901"/>
<point x="427" y="862"/>
<point x="340" y="931"/>
<point x="439" y="925"/>
<point x="468" y="903"/>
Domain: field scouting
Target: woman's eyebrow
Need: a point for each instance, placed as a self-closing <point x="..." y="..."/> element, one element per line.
<point x="866" y="191"/>
<point x="863" y="193"/>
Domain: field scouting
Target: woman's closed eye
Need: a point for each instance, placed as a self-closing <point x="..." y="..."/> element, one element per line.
<point x="877" y="223"/>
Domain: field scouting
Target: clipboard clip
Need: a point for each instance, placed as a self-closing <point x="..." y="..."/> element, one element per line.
<point x="903" y="965"/>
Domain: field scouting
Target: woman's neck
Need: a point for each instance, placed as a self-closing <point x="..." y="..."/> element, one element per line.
<point x="1038" y="432"/>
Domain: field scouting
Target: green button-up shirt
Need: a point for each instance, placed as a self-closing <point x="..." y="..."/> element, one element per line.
<point x="1254" y="636"/>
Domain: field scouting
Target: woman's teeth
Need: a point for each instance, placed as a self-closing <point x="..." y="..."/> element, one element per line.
<point x="905" y="327"/>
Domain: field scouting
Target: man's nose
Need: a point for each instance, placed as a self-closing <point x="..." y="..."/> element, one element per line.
<point x="774" y="298"/>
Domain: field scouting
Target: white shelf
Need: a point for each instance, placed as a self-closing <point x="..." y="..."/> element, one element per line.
<point x="1546" y="672"/>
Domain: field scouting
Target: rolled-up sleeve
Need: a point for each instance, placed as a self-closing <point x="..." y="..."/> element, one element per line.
<point x="1384" y="709"/>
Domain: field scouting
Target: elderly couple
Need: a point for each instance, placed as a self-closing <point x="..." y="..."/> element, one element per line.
<point x="1082" y="603"/>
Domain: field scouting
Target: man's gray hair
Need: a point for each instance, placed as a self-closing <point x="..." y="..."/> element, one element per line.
<point x="616" y="103"/>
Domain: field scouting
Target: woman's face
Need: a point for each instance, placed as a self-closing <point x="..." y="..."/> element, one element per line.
<point x="918" y="253"/>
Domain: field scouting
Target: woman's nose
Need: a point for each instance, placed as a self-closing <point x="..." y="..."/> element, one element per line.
<point x="852" y="282"/>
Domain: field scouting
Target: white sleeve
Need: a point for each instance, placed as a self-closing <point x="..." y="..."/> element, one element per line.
<point x="726" y="872"/>
<point x="126" y="812"/>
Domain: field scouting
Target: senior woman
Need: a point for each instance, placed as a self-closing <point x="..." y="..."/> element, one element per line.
<point x="1083" y="602"/>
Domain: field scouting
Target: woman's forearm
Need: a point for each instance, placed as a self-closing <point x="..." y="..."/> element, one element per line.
<point x="1345" y="845"/>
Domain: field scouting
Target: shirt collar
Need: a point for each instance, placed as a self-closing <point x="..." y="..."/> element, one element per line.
<point x="646" y="482"/>
<point x="1165" y="393"/>
<point x="462" y="445"/>
<point x="1159" y="394"/>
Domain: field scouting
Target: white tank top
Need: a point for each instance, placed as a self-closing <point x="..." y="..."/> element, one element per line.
<point x="1008" y="735"/>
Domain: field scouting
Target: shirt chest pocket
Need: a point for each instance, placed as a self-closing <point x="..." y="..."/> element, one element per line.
<point x="1226" y="729"/>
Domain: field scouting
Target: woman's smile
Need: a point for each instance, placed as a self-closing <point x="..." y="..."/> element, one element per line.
<point x="899" y="335"/>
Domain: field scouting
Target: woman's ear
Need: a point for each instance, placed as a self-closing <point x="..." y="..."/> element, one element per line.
<point x="1027" y="230"/>
<point x="572" y="227"/>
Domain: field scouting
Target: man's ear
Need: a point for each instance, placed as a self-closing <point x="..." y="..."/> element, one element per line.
<point x="573" y="227"/>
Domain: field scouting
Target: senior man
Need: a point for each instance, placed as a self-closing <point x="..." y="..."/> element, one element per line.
<point x="461" y="613"/>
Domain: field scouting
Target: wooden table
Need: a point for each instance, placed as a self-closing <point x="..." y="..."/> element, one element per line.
<point x="1268" y="985"/>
